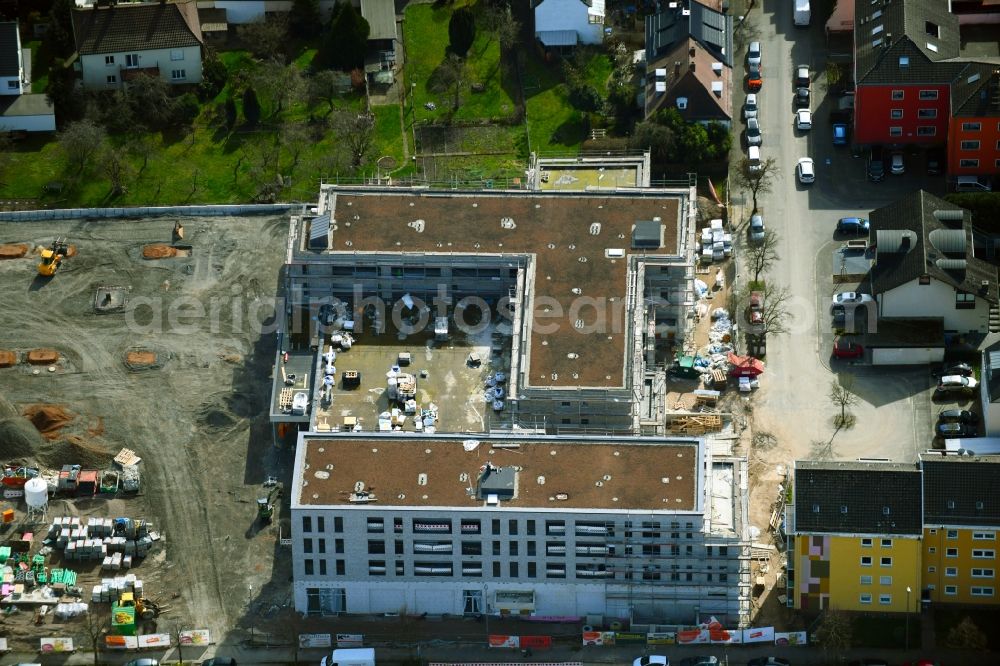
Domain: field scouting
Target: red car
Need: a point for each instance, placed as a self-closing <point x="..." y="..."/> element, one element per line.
<point x="846" y="348"/>
<point x="755" y="79"/>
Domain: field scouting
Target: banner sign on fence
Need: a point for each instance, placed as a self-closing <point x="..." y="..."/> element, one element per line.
<point x="790" y="638"/>
<point x="538" y="642"/>
<point x="147" y="641"/>
<point x="759" y="635"/>
<point x="121" y="642"/>
<point x="692" y="636"/>
<point x="504" y="641"/>
<point x="598" y="638"/>
<point x="57" y="645"/>
<point x="307" y="641"/>
<point x="625" y="637"/>
<point x="196" y="637"/>
<point x="661" y="638"/>
<point x="350" y="640"/>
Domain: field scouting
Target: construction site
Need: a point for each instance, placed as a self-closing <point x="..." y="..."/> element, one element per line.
<point x="133" y="426"/>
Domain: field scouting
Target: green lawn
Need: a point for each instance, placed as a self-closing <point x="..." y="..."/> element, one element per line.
<point x="203" y="164"/>
<point x="41" y="59"/>
<point x="425" y="31"/>
<point x="554" y="126"/>
<point x="872" y="631"/>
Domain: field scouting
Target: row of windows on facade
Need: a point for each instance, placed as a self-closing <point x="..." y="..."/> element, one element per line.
<point x="175" y="75"/>
<point x="951" y="590"/>
<point x="976" y="572"/>
<point x="645" y="529"/>
<point x="132" y="59"/>
<point x="552" y="548"/>
<point x="977" y="554"/>
<point x="475" y="570"/>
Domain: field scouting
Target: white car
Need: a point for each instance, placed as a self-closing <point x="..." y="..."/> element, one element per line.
<point x="754" y="159"/>
<point x="956" y="383"/>
<point x="753" y="133"/>
<point x="652" y="660"/>
<point x="750" y="108"/>
<point x="850" y="298"/>
<point x="805" y="171"/>
<point x="804" y="120"/>
<point x="753" y="54"/>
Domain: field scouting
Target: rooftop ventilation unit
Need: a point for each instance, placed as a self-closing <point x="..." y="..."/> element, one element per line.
<point x="319" y="233"/>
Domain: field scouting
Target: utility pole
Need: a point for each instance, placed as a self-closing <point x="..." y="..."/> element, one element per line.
<point x="908" y="618"/>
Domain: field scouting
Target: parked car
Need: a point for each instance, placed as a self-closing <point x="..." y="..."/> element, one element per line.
<point x="802" y="98"/>
<point x="845" y="298"/>
<point x="145" y="661"/>
<point x="750" y="107"/>
<point x="956" y="384"/>
<point x="852" y="225"/>
<point x="652" y="660"/>
<point x="803" y="120"/>
<point x="805" y="170"/>
<point x="757" y="228"/>
<point x="753" y="54"/>
<point x="876" y="164"/>
<point x="755" y="78"/>
<point x="963" y="369"/>
<point x="753" y="133"/>
<point x="896" y="165"/>
<point x="753" y="157"/>
<point x="973" y="184"/>
<point x="219" y="661"/>
<point x="956" y="430"/>
<point x="957" y="416"/>
<point x="847" y="348"/>
<point x="769" y="661"/>
<point x="700" y="661"/>
<point x="802" y="76"/>
<point x="935" y="162"/>
<point x="840" y="134"/>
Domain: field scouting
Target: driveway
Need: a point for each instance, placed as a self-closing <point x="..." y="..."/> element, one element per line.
<point x="793" y="404"/>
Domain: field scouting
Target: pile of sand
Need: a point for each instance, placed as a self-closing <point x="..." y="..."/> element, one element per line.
<point x="140" y="358"/>
<point x="19" y="439"/>
<point x="48" y="419"/>
<point x="13" y="250"/>
<point x="7" y="410"/>
<point x="158" y="251"/>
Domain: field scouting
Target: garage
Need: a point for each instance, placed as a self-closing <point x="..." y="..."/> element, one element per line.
<point x="907" y="355"/>
<point x="907" y="341"/>
<point x="27" y="113"/>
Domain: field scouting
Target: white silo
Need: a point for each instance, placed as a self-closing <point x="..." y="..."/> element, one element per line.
<point x="36" y="495"/>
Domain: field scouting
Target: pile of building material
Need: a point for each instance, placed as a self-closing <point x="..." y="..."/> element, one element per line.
<point x="695" y="424"/>
<point x="111" y="589"/>
<point x="716" y="244"/>
<point x="114" y="542"/>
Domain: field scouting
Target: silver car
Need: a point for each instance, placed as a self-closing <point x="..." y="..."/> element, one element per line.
<point x="753" y="132"/>
<point x="750" y="107"/>
<point x="753" y="54"/>
<point x="757" y="228"/>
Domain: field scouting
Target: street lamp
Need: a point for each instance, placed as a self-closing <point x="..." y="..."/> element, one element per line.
<point x="249" y="613"/>
<point x="908" y="590"/>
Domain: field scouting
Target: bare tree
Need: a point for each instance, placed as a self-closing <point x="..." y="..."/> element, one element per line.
<point x="759" y="180"/>
<point x="357" y="131"/>
<point x="326" y="86"/>
<point x="296" y="138"/>
<point x="81" y="141"/>
<point x="453" y="72"/>
<point x="96" y="627"/>
<point x="499" y="21"/>
<point x="266" y="37"/>
<point x="142" y="146"/>
<point x="842" y="395"/>
<point x="835" y="632"/>
<point x="280" y="85"/>
<point x="774" y="309"/>
<point x="118" y="171"/>
<point x="967" y="636"/>
<point x="762" y="254"/>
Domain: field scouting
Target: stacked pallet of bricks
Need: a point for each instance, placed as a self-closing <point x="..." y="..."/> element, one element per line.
<point x="95" y="540"/>
<point x="111" y="589"/>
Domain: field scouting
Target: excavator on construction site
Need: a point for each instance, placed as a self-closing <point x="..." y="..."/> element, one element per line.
<point x="265" y="505"/>
<point x="52" y="257"/>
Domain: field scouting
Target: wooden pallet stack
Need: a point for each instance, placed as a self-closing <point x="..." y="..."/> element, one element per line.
<point x="696" y="424"/>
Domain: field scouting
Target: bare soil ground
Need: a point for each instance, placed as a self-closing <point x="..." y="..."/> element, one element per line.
<point x="196" y="415"/>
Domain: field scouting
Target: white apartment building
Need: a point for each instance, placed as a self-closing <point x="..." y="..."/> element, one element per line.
<point x="638" y="528"/>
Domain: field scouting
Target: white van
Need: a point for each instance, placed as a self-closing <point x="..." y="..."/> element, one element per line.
<point x="972" y="184"/>
<point x="753" y="156"/>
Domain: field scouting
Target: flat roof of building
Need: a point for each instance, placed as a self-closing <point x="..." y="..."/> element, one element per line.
<point x="567" y="235"/>
<point x="553" y="473"/>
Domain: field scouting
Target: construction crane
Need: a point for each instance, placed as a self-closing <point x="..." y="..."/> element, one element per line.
<point x="52" y="257"/>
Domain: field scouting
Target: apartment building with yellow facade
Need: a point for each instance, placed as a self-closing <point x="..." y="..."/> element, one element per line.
<point x="961" y="522"/>
<point x="854" y="532"/>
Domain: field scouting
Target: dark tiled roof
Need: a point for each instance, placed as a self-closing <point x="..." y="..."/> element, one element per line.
<point x="887" y="30"/>
<point x="695" y="85"/>
<point x="8" y="49"/>
<point x="976" y="91"/>
<point x="667" y="28"/>
<point x="912" y="241"/>
<point x="857" y="498"/>
<point x="960" y="490"/>
<point x="138" y="27"/>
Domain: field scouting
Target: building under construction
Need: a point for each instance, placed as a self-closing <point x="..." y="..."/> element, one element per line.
<point x="582" y="285"/>
<point x="631" y="528"/>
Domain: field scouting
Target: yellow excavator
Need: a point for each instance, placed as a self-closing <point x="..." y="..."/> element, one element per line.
<point x="52" y="257"/>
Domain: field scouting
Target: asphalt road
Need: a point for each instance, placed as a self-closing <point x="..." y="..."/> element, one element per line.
<point x="894" y="411"/>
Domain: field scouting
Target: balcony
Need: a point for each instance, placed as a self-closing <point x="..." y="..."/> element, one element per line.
<point x="132" y="73"/>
